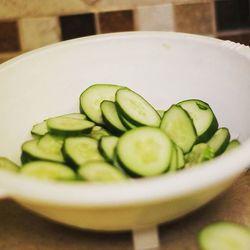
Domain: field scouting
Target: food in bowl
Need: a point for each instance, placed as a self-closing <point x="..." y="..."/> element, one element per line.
<point x="119" y="135"/>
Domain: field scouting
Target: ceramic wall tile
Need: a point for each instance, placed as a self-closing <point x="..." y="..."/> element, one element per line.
<point x="9" y="36"/>
<point x="37" y="8"/>
<point x="243" y="38"/>
<point x="8" y="55"/>
<point x="155" y="17"/>
<point x="232" y="14"/>
<point x="111" y="5"/>
<point x="38" y="32"/>
<point x="116" y="21"/>
<point x="194" y="18"/>
<point x="77" y="26"/>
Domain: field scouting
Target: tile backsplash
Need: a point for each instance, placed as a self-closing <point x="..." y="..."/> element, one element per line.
<point x="27" y="25"/>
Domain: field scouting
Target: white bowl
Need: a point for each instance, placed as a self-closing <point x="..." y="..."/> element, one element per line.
<point x="163" y="67"/>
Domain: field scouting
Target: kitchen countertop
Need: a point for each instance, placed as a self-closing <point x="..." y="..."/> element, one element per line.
<point x="23" y="230"/>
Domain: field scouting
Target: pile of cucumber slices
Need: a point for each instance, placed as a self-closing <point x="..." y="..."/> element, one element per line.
<point x="118" y="135"/>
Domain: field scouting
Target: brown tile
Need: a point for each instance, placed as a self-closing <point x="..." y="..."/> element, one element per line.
<point x="9" y="38"/>
<point x="194" y="18"/>
<point x="75" y="26"/>
<point x="238" y="38"/>
<point x="232" y="14"/>
<point x="8" y="55"/>
<point x="116" y="21"/>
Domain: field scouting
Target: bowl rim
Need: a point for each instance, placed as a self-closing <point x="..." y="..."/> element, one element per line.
<point x="129" y="192"/>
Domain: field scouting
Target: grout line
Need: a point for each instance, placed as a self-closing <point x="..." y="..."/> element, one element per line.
<point x="59" y="27"/>
<point x="97" y="23"/>
<point x="214" y="21"/>
<point x="20" y="33"/>
<point x="135" y="18"/>
<point x="233" y="32"/>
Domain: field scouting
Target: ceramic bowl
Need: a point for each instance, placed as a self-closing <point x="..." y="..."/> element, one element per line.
<point x="165" y="68"/>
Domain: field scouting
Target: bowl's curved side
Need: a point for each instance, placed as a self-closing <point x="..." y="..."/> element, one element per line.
<point x="130" y="216"/>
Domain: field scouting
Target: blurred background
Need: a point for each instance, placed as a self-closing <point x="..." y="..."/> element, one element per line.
<point x="30" y="24"/>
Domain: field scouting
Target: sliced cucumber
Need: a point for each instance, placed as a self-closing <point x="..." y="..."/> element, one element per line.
<point x="180" y="158"/>
<point x="174" y="160"/>
<point x="224" y="236"/>
<point x="203" y="117"/>
<point x="75" y="116"/>
<point x="98" y="132"/>
<point x="50" y="143"/>
<point x="232" y="144"/>
<point x="48" y="171"/>
<point x="79" y="150"/>
<point x="7" y="164"/>
<point x="98" y="171"/>
<point x="92" y="97"/>
<point x="161" y="112"/>
<point x="40" y="129"/>
<point x="136" y="109"/>
<point x="66" y="126"/>
<point x="111" y="118"/>
<point x="179" y="127"/>
<point x="144" y="151"/>
<point x="107" y="145"/>
<point x="220" y="141"/>
<point x="127" y="123"/>
<point x="200" y="153"/>
<point x="31" y="151"/>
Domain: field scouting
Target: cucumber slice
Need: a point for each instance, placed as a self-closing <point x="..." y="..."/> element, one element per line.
<point x="179" y="127"/>
<point x="180" y="158"/>
<point x="40" y="129"/>
<point x="111" y="118"/>
<point x="224" y="236"/>
<point x="66" y="126"/>
<point x="200" y="153"/>
<point x="48" y="171"/>
<point x="32" y="151"/>
<point x="78" y="150"/>
<point x="92" y="97"/>
<point x="50" y="143"/>
<point x="127" y="124"/>
<point x="232" y="144"/>
<point x="107" y="145"/>
<point x="75" y="116"/>
<point x="203" y="117"/>
<point x="136" y="109"/>
<point x="7" y="164"/>
<point x="174" y="160"/>
<point x="161" y="112"/>
<point x="100" y="172"/>
<point x="98" y="132"/>
<point x="220" y="141"/>
<point x="144" y="151"/>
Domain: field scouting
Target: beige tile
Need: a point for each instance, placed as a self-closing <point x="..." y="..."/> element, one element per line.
<point x="110" y="5"/>
<point x="34" y="8"/>
<point x="155" y="17"/>
<point x="194" y="18"/>
<point x="38" y="32"/>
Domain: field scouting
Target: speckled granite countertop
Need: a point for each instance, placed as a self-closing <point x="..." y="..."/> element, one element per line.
<point x="22" y="230"/>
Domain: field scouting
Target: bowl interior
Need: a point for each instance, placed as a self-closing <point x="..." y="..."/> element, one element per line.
<point x="163" y="67"/>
